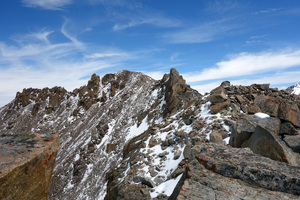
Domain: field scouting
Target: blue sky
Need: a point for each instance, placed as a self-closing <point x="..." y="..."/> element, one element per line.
<point x="44" y="43"/>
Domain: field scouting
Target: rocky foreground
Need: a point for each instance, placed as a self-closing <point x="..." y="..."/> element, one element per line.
<point x="127" y="136"/>
<point x="27" y="162"/>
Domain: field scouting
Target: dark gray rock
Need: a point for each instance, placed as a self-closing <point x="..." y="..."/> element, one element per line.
<point x="247" y="124"/>
<point x="287" y="128"/>
<point x="202" y="183"/>
<point x="143" y="180"/>
<point x="265" y="143"/>
<point x="293" y="141"/>
<point x="250" y="168"/>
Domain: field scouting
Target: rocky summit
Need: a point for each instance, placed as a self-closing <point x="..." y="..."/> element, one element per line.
<point x="128" y="136"/>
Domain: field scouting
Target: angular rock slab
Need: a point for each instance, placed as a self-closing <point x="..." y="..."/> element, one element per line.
<point x="247" y="124"/>
<point x="265" y="104"/>
<point x="293" y="141"/>
<point x="248" y="167"/>
<point x="217" y="95"/>
<point x="287" y="128"/>
<point x="289" y="112"/>
<point x="205" y="184"/>
<point x="267" y="144"/>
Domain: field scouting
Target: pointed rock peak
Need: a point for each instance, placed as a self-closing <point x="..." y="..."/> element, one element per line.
<point x="175" y="77"/>
<point x="173" y="72"/>
<point x="93" y="82"/>
<point x="225" y="84"/>
<point x="177" y="94"/>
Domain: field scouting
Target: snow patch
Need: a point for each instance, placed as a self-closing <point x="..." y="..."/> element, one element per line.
<point x="136" y="130"/>
<point x="227" y="140"/>
<point x="76" y="157"/>
<point x="166" y="187"/>
<point x="261" y="115"/>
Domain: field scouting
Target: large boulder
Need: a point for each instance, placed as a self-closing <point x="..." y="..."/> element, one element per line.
<point x="242" y="165"/>
<point x="289" y="112"/>
<point x="246" y="126"/>
<point x="265" y="104"/>
<point x="201" y="183"/>
<point x="266" y="143"/>
<point x="217" y="95"/>
<point x="276" y="107"/>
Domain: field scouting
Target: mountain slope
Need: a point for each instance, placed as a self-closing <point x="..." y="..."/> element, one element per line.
<point x="294" y="89"/>
<point x="127" y="136"/>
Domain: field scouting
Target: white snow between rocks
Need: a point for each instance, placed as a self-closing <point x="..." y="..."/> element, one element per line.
<point x="135" y="130"/>
<point x="261" y="115"/>
<point x="166" y="187"/>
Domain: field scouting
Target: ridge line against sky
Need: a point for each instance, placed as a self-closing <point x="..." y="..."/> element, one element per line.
<point x="47" y="43"/>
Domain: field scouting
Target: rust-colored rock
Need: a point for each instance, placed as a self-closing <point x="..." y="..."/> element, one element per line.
<point x="265" y="104"/>
<point x="289" y="112"/>
<point x="26" y="166"/>
<point x="219" y="106"/>
<point x="217" y="95"/>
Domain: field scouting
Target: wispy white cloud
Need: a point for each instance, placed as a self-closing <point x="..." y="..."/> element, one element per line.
<point x="47" y="4"/>
<point x="245" y="64"/>
<point x="267" y="11"/>
<point x="201" y="33"/>
<point x="105" y="54"/>
<point x="140" y="18"/>
<point x="34" y="61"/>
<point x="255" y="39"/>
<point x="221" y="6"/>
<point x="69" y="36"/>
<point x="174" y="56"/>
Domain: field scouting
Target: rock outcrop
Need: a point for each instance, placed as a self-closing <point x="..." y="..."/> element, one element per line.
<point x="27" y="163"/>
<point x="218" y="172"/>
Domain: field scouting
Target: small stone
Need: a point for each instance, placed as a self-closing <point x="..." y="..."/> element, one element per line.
<point x="158" y="180"/>
<point x="177" y="155"/>
<point x="152" y="172"/>
<point x="216" y="137"/>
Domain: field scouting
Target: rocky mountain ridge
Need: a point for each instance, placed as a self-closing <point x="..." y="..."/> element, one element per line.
<point x="127" y="136"/>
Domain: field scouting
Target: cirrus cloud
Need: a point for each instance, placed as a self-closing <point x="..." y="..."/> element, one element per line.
<point x="47" y="4"/>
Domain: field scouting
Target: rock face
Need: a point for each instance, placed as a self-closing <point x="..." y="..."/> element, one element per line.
<point x="26" y="167"/>
<point x="276" y="107"/>
<point x="221" y="172"/>
<point x="293" y="141"/>
<point x="127" y="136"/>
<point x="265" y="143"/>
